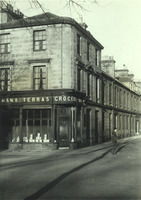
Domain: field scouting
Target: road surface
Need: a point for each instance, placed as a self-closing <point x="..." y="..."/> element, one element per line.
<point x="83" y="174"/>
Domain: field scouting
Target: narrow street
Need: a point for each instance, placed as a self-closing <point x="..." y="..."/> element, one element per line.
<point x="87" y="173"/>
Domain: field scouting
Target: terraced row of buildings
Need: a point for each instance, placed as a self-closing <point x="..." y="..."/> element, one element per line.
<point x="55" y="91"/>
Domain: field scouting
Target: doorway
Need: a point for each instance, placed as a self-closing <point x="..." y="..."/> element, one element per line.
<point x="96" y="127"/>
<point x="63" y="137"/>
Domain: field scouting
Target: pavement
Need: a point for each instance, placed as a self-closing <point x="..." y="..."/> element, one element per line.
<point x="86" y="173"/>
<point x="8" y="156"/>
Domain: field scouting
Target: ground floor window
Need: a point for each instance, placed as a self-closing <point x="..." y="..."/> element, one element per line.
<point x="15" y="125"/>
<point x="35" y="126"/>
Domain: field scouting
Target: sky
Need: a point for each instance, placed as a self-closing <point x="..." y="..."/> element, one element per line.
<point x="115" y="24"/>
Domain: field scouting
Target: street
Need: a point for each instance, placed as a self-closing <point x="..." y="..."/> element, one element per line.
<point x="82" y="174"/>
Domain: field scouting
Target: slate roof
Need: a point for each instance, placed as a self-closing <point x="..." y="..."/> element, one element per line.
<point x="47" y="19"/>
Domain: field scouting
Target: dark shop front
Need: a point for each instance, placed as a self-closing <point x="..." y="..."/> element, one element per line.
<point x="43" y="121"/>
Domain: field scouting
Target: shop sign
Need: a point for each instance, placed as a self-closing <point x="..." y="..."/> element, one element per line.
<point x="47" y="99"/>
<point x="25" y="100"/>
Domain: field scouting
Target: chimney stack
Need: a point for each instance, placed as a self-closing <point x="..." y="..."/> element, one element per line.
<point x="8" y="14"/>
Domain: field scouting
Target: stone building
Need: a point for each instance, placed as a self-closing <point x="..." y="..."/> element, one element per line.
<point x="52" y="88"/>
<point x="122" y="93"/>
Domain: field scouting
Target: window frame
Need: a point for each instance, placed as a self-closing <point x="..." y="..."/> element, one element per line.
<point x="88" y="51"/>
<point x="6" y="44"/>
<point x="88" y="84"/>
<point x="97" y="52"/>
<point x="40" y="41"/>
<point x="79" y="78"/>
<point x="41" y="84"/>
<point x="6" y="79"/>
<point x="78" y="44"/>
<point x="97" y="89"/>
<point x="110" y="93"/>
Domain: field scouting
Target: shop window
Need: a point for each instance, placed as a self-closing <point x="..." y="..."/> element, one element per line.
<point x="39" y="40"/>
<point x="5" y="43"/>
<point x="44" y="122"/>
<point x="15" y="123"/>
<point x="39" y="77"/>
<point x="37" y="122"/>
<point x="30" y="122"/>
<point x="30" y="113"/>
<point x="49" y="113"/>
<point x="44" y="114"/>
<point x="37" y="113"/>
<point x="5" y="79"/>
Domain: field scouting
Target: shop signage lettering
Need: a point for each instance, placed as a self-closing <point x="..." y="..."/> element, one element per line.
<point x="64" y="98"/>
<point x="25" y="100"/>
<point x="47" y="99"/>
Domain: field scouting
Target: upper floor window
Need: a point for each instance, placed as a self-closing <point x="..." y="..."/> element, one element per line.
<point x="39" y="40"/>
<point x="39" y="77"/>
<point x="5" y="79"/>
<point x="110" y="93"/>
<point x="5" y="43"/>
<point x="88" y="84"/>
<point x="96" y="57"/>
<point x="115" y="97"/>
<point x="88" y="51"/>
<point x="97" y="89"/>
<point x="119" y="98"/>
<point x="124" y="99"/>
<point x="127" y="100"/>
<point x="78" y="79"/>
<point x="78" y="44"/>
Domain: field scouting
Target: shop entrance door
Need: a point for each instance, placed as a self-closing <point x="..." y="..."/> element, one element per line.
<point x="63" y="132"/>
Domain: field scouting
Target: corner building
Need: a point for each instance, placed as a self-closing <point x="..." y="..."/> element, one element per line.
<point x="48" y="64"/>
<point x="51" y="84"/>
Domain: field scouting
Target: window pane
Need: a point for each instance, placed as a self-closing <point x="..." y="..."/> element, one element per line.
<point x="30" y="113"/>
<point x="39" y="40"/>
<point x="4" y="43"/>
<point x="37" y="113"/>
<point x="39" y="77"/>
<point x="49" y="113"/>
<point x="4" y="79"/>
<point x="50" y="122"/>
<point x="23" y="122"/>
<point x="44" y="113"/>
<point x="37" y="122"/>
<point x="44" y="122"/>
<point x="17" y="123"/>
<point x="30" y="122"/>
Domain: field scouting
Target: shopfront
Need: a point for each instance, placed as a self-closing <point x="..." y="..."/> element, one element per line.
<point x="43" y="121"/>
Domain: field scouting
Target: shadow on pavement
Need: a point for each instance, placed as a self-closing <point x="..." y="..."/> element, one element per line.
<point x="50" y="185"/>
